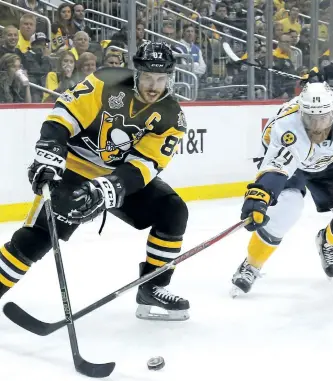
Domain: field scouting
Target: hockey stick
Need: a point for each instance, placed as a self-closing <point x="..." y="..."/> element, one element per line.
<point x="18" y="316"/>
<point x="233" y="56"/>
<point x="81" y="365"/>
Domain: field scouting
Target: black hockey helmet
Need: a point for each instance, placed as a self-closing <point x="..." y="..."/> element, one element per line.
<point x="154" y="57"/>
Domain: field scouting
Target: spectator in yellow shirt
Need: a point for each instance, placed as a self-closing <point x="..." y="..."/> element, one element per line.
<point x="280" y="15"/>
<point x="279" y="4"/>
<point x="283" y="12"/>
<point x="63" y="29"/>
<point x="283" y="87"/>
<point x="323" y="28"/>
<point x="27" y="29"/>
<point x="259" y="3"/>
<point x="291" y="22"/>
<point x="323" y="31"/>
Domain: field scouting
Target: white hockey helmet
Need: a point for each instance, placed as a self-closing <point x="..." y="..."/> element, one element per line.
<point x="316" y="106"/>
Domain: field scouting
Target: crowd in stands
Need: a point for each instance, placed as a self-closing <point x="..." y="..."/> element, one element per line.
<point x="195" y="29"/>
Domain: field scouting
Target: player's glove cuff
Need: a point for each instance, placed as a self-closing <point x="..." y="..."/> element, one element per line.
<point x="258" y="192"/>
<point x="96" y="196"/>
<point x="257" y="200"/>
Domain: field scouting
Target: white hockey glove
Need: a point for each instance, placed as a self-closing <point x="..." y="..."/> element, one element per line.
<point x="96" y="196"/>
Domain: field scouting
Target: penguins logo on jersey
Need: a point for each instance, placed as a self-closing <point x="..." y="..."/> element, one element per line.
<point x="115" y="138"/>
<point x="288" y="138"/>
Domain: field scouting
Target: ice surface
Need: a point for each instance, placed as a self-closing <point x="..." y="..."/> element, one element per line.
<point x="282" y="330"/>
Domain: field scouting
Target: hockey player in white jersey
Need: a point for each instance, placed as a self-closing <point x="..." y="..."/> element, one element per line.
<point x="298" y="153"/>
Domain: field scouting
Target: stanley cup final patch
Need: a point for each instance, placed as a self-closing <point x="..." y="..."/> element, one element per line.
<point x="116" y="102"/>
<point x="181" y="120"/>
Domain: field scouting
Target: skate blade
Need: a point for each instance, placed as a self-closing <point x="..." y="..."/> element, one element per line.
<point x="144" y="312"/>
<point x="235" y="291"/>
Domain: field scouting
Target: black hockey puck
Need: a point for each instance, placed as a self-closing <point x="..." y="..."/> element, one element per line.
<point x="156" y="363"/>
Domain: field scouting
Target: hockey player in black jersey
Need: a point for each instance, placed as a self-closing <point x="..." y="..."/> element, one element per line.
<point x="101" y="149"/>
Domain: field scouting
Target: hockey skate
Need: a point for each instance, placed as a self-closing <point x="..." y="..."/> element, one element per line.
<point x="325" y="251"/>
<point x="243" y="279"/>
<point x="150" y="296"/>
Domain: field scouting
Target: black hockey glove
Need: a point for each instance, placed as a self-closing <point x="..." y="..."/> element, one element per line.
<point x="96" y="196"/>
<point x="48" y="166"/>
<point x="257" y="200"/>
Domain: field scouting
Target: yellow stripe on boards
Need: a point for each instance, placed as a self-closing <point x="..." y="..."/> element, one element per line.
<point x="19" y="211"/>
<point x="210" y="192"/>
<point x="14" y="212"/>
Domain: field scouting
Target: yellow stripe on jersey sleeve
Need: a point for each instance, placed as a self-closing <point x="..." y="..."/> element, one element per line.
<point x="160" y="148"/>
<point x="266" y="137"/>
<point x="65" y="119"/>
<point x="289" y="110"/>
<point x="84" y="102"/>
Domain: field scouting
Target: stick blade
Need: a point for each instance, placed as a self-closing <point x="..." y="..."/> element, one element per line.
<point x="230" y="52"/>
<point x="94" y="370"/>
<point x="21" y="318"/>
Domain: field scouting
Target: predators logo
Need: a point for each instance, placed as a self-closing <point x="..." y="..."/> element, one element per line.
<point x="288" y="138"/>
<point x="115" y="138"/>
